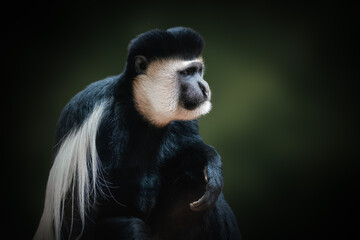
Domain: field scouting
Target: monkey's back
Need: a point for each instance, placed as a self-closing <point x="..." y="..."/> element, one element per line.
<point x="82" y="105"/>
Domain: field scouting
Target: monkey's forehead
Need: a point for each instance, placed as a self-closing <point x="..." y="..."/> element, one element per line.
<point x="178" y="42"/>
<point x="169" y="65"/>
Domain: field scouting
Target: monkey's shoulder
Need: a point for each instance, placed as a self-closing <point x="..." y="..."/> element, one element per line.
<point x="83" y="103"/>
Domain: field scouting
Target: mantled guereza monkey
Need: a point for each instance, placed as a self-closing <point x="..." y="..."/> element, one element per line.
<point x="129" y="161"/>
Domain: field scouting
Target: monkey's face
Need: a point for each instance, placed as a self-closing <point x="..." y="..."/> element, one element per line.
<point x="171" y="89"/>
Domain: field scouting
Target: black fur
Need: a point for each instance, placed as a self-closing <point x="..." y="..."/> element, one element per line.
<point x="150" y="174"/>
<point x="177" y="42"/>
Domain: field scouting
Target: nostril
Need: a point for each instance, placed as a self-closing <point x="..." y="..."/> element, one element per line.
<point x="203" y="89"/>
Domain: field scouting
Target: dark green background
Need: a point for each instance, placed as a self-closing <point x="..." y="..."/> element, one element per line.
<point x="284" y="102"/>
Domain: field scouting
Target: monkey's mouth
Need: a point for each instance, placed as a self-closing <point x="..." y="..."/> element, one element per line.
<point x="192" y="104"/>
<point x="192" y="97"/>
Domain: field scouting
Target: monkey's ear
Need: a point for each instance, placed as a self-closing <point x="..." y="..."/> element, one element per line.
<point x="140" y="64"/>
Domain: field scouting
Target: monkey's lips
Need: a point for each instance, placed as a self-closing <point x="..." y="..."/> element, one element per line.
<point x="192" y="104"/>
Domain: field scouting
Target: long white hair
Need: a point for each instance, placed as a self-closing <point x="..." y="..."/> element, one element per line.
<point x="75" y="171"/>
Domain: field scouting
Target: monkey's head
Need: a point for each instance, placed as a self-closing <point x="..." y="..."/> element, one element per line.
<point x="167" y="75"/>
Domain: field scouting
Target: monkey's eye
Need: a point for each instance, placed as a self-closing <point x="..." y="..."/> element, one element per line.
<point x="189" y="72"/>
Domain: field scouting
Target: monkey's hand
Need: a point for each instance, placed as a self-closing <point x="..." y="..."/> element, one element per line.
<point x="214" y="179"/>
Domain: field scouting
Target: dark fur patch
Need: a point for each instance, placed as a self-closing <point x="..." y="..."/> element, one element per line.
<point x="179" y="42"/>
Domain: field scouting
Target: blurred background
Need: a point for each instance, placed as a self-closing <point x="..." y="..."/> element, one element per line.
<point x="284" y="115"/>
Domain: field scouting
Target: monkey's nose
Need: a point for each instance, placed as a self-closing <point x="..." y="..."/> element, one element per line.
<point x="204" y="89"/>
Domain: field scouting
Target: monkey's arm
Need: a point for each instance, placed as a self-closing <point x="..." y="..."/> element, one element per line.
<point x="214" y="179"/>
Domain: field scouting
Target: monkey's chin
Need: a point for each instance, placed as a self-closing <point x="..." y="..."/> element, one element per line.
<point x="163" y="118"/>
<point x="185" y="114"/>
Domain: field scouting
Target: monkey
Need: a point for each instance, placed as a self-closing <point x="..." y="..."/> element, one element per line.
<point x="129" y="162"/>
